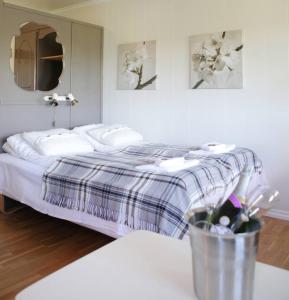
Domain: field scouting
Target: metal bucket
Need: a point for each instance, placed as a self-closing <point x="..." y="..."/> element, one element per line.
<point x="223" y="265"/>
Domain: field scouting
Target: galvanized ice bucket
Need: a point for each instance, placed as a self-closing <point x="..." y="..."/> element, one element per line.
<point x="223" y="265"/>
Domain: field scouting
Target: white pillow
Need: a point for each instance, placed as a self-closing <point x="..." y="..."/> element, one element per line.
<point x="18" y="147"/>
<point x="33" y="137"/>
<point x="97" y="133"/>
<point x="62" y="144"/>
<point x="116" y="136"/>
<point x="83" y="131"/>
<point x="85" y="128"/>
<point x="8" y="149"/>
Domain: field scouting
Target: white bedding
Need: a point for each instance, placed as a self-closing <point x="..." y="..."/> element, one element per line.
<point x="115" y="136"/>
<point x="62" y="144"/>
<point x="21" y="180"/>
<point x="18" y="147"/>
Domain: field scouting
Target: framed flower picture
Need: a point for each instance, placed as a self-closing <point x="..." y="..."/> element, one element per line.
<point x="137" y="66"/>
<point x="216" y="60"/>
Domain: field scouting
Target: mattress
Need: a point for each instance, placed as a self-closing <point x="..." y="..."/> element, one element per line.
<point x="22" y="180"/>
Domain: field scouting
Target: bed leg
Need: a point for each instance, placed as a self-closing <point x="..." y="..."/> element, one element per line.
<point x="2" y="204"/>
<point x="9" y="206"/>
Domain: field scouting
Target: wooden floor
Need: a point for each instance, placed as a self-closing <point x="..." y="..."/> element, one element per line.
<point x="274" y="243"/>
<point x="33" y="245"/>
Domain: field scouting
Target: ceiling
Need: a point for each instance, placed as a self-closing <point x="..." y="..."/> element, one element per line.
<point x="52" y="5"/>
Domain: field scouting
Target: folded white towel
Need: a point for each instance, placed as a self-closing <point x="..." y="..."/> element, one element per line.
<point x="169" y="168"/>
<point x="172" y="162"/>
<point x="213" y="149"/>
<point x="218" y="148"/>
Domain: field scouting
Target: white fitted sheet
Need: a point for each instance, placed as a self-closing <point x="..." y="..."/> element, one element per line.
<point x="21" y="180"/>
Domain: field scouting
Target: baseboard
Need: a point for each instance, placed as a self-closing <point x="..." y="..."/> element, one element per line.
<point x="279" y="214"/>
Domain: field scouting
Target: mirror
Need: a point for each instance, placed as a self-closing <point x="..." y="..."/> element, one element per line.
<point x="36" y="58"/>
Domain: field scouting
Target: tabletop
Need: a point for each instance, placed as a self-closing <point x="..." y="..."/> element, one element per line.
<point x="141" y="265"/>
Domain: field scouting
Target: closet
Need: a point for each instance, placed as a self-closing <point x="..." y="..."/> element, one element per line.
<point x="42" y="54"/>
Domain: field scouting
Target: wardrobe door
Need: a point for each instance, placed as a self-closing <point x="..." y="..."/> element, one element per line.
<point x="1" y="48"/>
<point x="86" y="72"/>
<point x="11" y="93"/>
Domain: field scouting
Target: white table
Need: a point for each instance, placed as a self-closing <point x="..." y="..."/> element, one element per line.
<point x="142" y="265"/>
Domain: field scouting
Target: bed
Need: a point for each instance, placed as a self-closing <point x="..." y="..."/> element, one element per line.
<point x="32" y="183"/>
<point x="21" y="180"/>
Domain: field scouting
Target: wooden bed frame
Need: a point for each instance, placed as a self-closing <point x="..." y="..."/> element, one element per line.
<point x="9" y="206"/>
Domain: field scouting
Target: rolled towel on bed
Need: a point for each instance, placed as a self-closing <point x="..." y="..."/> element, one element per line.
<point x="173" y="167"/>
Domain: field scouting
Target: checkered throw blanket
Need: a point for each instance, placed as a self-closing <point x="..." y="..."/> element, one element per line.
<point x="108" y="185"/>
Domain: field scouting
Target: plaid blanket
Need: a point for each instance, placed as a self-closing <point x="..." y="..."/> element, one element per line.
<point x="108" y="185"/>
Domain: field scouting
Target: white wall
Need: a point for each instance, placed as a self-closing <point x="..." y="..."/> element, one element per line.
<point x="255" y="116"/>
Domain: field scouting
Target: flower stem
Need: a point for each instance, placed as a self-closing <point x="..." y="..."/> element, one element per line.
<point x="198" y="84"/>
<point x="140" y="85"/>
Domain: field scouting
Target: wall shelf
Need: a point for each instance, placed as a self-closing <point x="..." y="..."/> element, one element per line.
<point x="53" y="57"/>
